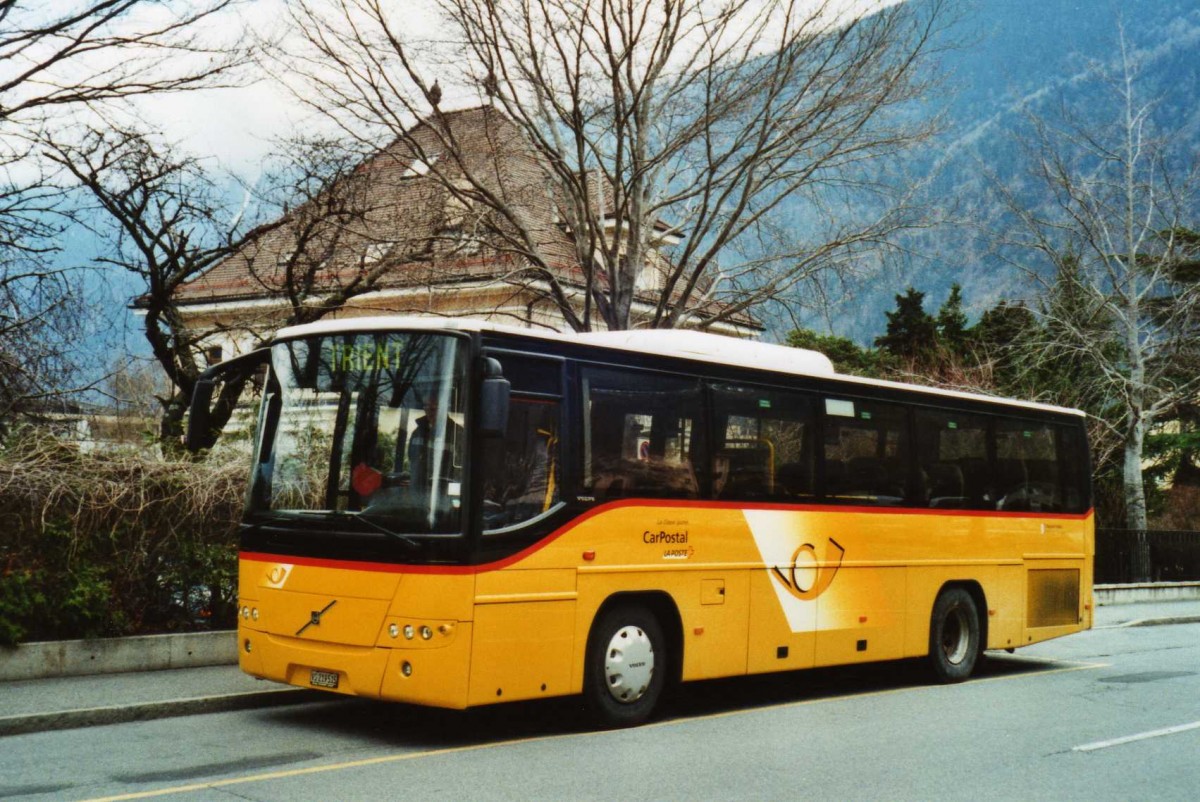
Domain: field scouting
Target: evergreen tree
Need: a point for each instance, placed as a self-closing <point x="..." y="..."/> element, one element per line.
<point x="912" y="333"/>
<point x="846" y="355"/>
<point x="997" y="339"/>
<point x="952" y="323"/>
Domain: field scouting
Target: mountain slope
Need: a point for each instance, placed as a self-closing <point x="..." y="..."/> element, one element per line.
<point x="1006" y="60"/>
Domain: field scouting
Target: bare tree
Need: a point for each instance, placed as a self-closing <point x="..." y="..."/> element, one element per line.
<point x="668" y="134"/>
<point x="89" y="51"/>
<point x="166" y="221"/>
<point x="73" y="56"/>
<point x="38" y="356"/>
<point x="1120" y="194"/>
<point x="40" y="324"/>
<point x="171" y="223"/>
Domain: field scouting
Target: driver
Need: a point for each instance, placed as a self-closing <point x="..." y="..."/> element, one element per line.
<point x="422" y="446"/>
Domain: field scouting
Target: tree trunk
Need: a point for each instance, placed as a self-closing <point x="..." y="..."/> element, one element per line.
<point x="1135" y="496"/>
<point x="170" y="427"/>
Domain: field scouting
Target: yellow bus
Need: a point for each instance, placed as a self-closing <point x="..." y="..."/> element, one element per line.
<point x="454" y="513"/>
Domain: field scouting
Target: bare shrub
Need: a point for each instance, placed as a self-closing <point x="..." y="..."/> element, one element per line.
<point x="115" y="542"/>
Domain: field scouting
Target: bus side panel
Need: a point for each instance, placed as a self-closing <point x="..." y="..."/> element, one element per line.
<point x="866" y="621"/>
<point x="522" y="650"/>
<point x="1058" y="579"/>
<point x="713" y="605"/>
<point x="524" y="634"/>
<point x="1006" y="598"/>
<point x="774" y="646"/>
<point x="695" y="559"/>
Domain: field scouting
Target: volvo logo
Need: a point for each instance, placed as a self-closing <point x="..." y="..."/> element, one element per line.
<point x="315" y="619"/>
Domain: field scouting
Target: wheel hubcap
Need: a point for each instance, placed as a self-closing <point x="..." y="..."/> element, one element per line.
<point x="628" y="664"/>
<point x="956" y="636"/>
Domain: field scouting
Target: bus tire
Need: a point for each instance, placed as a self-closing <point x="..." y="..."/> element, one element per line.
<point x="626" y="666"/>
<point x="954" y="634"/>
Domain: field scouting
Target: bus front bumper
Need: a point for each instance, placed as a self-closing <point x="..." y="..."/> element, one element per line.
<point x="429" y="672"/>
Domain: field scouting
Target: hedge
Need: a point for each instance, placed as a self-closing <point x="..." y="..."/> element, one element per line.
<point x="115" y="542"/>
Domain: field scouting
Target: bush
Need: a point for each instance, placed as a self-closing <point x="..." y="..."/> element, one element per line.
<point x="113" y="543"/>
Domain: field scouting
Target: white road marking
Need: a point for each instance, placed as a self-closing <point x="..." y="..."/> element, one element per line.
<point x="1141" y="736"/>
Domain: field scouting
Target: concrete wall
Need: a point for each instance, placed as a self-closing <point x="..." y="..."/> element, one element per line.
<point x="1146" y="592"/>
<point x="114" y="655"/>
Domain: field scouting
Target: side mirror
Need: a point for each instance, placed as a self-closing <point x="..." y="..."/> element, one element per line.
<point x="205" y="421"/>
<point x="493" y="399"/>
<point x="199" y="430"/>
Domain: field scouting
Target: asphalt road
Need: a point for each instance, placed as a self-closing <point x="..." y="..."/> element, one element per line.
<point x="1107" y="714"/>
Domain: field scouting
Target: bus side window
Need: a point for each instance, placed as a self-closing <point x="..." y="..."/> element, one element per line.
<point x="521" y="469"/>
<point x="866" y="452"/>
<point x="1072" y="455"/>
<point x="521" y="476"/>
<point x="763" y="448"/>
<point x="640" y="435"/>
<point x="952" y="458"/>
<point x="1027" y="467"/>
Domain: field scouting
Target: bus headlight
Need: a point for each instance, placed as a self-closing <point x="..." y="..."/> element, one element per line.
<point x="426" y="633"/>
<point x="408" y="631"/>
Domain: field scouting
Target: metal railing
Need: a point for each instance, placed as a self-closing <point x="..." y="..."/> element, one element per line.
<point x="1152" y="555"/>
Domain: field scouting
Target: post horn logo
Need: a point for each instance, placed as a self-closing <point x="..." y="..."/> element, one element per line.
<point x="809" y="576"/>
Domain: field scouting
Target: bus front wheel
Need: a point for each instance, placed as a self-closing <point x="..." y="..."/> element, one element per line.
<point x="626" y="666"/>
<point x="954" y="635"/>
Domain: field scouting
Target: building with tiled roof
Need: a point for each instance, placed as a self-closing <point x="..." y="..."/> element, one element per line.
<point x="407" y="233"/>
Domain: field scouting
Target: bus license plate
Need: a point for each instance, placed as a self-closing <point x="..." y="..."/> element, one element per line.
<point x="324" y="679"/>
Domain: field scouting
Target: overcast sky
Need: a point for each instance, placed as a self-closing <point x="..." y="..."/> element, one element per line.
<point x="236" y="126"/>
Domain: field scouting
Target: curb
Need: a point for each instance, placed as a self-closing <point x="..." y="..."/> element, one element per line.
<point x="1154" y="622"/>
<point x="146" y="711"/>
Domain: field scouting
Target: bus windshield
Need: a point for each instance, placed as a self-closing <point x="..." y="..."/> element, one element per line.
<point x="366" y="429"/>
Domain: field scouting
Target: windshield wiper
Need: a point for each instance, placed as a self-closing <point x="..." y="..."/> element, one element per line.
<point x="344" y="514"/>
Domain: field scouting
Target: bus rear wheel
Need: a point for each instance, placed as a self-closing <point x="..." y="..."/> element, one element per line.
<point x="626" y="666"/>
<point x="954" y="635"/>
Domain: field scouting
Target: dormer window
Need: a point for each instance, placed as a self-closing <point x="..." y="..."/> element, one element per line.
<point x="419" y="167"/>
<point x="375" y="252"/>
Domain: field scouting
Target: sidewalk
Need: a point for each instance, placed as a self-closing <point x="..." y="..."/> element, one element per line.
<point x="1147" y="613"/>
<point x="65" y="702"/>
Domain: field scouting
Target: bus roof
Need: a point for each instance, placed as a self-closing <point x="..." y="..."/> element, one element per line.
<point x="678" y="343"/>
